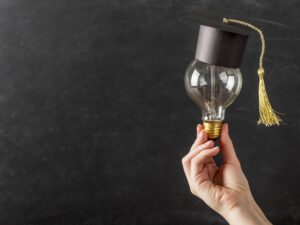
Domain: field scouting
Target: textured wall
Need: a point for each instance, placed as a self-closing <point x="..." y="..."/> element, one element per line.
<point x="94" y="118"/>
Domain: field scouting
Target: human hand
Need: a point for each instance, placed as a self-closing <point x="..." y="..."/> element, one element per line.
<point x="225" y="189"/>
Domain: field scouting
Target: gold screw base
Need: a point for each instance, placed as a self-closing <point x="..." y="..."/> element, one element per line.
<point x="212" y="128"/>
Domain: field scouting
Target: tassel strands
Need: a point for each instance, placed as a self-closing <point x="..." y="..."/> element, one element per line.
<point x="268" y="116"/>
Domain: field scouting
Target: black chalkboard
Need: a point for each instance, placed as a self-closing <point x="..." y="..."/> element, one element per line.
<point x="94" y="117"/>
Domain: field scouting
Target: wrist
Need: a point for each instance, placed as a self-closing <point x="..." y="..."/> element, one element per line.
<point x="247" y="214"/>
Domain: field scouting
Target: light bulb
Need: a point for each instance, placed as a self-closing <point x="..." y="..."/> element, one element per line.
<point x="213" y="88"/>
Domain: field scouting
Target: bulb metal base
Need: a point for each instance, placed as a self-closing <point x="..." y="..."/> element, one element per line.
<point x="212" y="128"/>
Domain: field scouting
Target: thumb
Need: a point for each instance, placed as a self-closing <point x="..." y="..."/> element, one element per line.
<point x="226" y="147"/>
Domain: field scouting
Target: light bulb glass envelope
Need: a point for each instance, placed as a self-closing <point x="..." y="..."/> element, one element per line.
<point x="213" y="88"/>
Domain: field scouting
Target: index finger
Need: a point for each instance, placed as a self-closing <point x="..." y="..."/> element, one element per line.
<point x="201" y="138"/>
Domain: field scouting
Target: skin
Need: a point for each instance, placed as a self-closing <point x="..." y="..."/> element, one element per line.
<point x="225" y="189"/>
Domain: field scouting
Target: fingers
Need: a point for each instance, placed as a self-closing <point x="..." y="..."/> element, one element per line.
<point x="201" y="137"/>
<point x="196" y="150"/>
<point x="226" y="146"/>
<point x="198" y="162"/>
<point x="186" y="160"/>
<point x="199" y="128"/>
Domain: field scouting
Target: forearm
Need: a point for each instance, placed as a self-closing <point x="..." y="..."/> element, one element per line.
<point x="249" y="214"/>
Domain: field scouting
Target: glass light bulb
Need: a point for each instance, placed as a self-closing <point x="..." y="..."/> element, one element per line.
<point x="213" y="88"/>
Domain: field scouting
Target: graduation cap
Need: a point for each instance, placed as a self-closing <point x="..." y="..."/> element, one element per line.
<point x="221" y="43"/>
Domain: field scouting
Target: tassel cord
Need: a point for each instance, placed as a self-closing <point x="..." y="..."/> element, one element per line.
<point x="268" y="117"/>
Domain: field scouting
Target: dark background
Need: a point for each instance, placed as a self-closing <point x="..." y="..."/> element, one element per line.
<point x="94" y="118"/>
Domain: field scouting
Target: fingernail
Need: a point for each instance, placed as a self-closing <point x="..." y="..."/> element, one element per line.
<point x="216" y="150"/>
<point x="209" y="142"/>
<point x="202" y="132"/>
<point x="198" y="128"/>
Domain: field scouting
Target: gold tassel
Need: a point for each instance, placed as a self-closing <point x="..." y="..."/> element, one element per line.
<point x="267" y="115"/>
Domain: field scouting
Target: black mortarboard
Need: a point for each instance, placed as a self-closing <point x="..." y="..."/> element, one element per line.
<point x="219" y="43"/>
